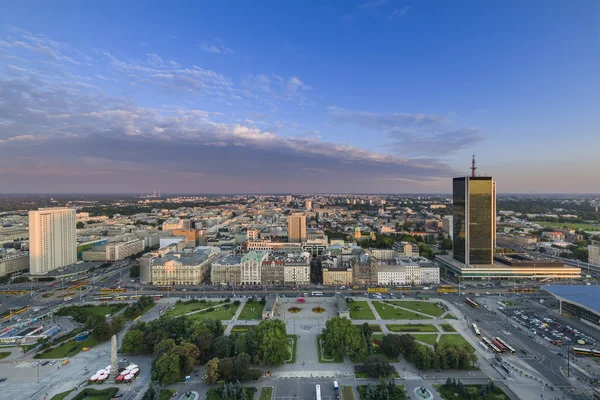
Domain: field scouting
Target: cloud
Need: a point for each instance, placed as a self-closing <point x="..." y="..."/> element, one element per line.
<point x="217" y="47"/>
<point x="414" y="134"/>
<point x="399" y="13"/>
<point x="373" y="3"/>
<point x="382" y="121"/>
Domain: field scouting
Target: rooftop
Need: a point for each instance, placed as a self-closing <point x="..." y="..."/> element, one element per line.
<point x="582" y="295"/>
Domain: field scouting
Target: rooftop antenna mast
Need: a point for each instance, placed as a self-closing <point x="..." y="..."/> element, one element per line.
<point x="473" y="167"/>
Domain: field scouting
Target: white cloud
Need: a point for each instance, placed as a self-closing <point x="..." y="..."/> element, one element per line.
<point x="399" y="13"/>
<point x="216" y="47"/>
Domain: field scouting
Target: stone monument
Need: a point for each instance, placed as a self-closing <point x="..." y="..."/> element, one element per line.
<point x="114" y="361"/>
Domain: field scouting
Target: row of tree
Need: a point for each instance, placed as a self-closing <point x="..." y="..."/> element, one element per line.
<point x="231" y="369"/>
<point x="440" y="357"/>
<point x="139" y="307"/>
<point x="485" y="391"/>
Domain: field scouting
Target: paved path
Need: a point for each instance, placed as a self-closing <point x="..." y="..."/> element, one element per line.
<point x="373" y="310"/>
<point x="235" y="317"/>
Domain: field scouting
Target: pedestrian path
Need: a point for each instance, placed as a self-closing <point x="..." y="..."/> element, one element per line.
<point x="235" y="317"/>
<point x="373" y="310"/>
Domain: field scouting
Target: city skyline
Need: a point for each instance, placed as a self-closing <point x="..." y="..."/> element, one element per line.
<point x="349" y="97"/>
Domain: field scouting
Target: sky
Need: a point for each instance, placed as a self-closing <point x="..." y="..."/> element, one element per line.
<point x="367" y="96"/>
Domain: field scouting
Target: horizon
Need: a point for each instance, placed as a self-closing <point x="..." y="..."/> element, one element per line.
<point x="364" y="96"/>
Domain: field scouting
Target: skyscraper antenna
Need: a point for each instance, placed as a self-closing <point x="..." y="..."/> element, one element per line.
<point x="473" y="168"/>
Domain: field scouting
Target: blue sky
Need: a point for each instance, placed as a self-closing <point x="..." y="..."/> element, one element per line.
<point x="311" y="96"/>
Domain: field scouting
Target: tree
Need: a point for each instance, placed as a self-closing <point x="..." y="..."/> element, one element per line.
<point x="273" y="347"/>
<point x="222" y="347"/>
<point x="241" y="366"/>
<point x="102" y="331"/>
<point x="226" y="369"/>
<point x="212" y="371"/>
<point x="446" y="244"/>
<point x="80" y="225"/>
<point x="390" y="345"/>
<point x="133" y="342"/>
<point x="378" y="367"/>
<point x="163" y="347"/>
<point x="341" y="337"/>
<point x="166" y="369"/>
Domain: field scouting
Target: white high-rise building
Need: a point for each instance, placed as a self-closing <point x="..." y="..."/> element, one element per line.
<point x="52" y="239"/>
<point x="594" y="254"/>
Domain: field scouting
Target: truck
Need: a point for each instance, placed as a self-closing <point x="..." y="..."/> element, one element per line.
<point x="336" y="388"/>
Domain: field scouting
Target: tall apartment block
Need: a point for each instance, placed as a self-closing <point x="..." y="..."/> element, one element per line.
<point x="297" y="228"/>
<point x="474" y="218"/>
<point x="52" y="239"/>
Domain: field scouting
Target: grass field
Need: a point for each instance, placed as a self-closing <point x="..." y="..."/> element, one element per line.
<point x="327" y="356"/>
<point x="4" y="354"/>
<point x="411" y="328"/>
<point x="240" y="328"/>
<point x="456" y="340"/>
<point x="68" y="349"/>
<point x="360" y="310"/>
<point x="266" y="393"/>
<point x="420" y="306"/>
<point x="449" y="394"/>
<point x="570" y="225"/>
<point x="375" y="327"/>
<point x="427" y="338"/>
<point x="293" y="347"/>
<point x="386" y="311"/>
<point x="62" y="395"/>
<point x="347" y="393"/>
<point x="224" y="312"/>
<point x="251" y="311"/>
<point x="447" y="328"/>
<point x="213" y="394"/>
<point x="189" y="306"/>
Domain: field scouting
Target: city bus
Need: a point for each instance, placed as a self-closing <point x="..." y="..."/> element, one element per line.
<point x="103" y="298"/>
<point x="317" y="294"/>
<point x="471" y="303"/>
<point x="447" y="289"/>
<point x="506" y="345"/>
<point x="408" y="287"/>
<point x="582" y="351"/>
<point x="318" y="397"/>
<point x="158" y="296"/>
<point x="491" y="345"/>
<point x="112" y="290"/>
<point x="476" y="330"/>
<point x="596" y="353"/>
<point x="167" y="288"/>
<point x="499" y="345"/>
<point x="521" y="290"/>
<point x="377" y="290"/>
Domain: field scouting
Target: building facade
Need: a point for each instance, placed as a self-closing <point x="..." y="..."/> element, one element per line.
<point x="405" y="249"/>
<point x="52" y="239"/>
<point x="474" y="219"/>
<point x="297" y="228"/>
<point x="337" y="275"/>
<point x="118" y="251"/>
<point x="594" y="254"/>
<point x="227" y="270"/>
<point x="180" y="269"/>
<point x="251" y="267"/>
<point x="12" y="264"/>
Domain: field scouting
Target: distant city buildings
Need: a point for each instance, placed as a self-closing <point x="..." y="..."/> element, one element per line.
<point x="52" y="239"/>
<point x="594" y="254"/>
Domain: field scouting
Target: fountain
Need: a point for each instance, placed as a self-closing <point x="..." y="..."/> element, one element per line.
<point x="423" y="393"/>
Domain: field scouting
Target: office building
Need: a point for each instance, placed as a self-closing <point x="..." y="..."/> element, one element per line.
<point x="227" y="270"/>
<point x="251" y="265"/>
<point x="337" y="275"/>
<point x="180" y="269"/>
<point x="594" y="254"/>
<point x="52" y="239"/>
<point x="118" y="251"/>
<point x="405" y="249"/>
<point x="474" y="218"/>
<point x="297" y="228"/>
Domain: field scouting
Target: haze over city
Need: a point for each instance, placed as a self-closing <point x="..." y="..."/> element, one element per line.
<point x="272" y="97"/>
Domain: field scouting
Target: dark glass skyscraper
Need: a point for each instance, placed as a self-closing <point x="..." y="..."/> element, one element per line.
<point x="474" y="219"/>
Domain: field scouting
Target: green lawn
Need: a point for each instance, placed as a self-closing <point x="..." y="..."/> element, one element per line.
<point x="4" y="354"/>
<point x="411" y="328"/>
<point x="27" y="347"/>
<point x="213" y="394"/>
<point x="570" y="225"/>
<point x="386" y="311"/>
<point x="426" y="338"/>
<point x="425" y="307"/>
<point x="347" y="393"/>
<point x="188" y="306"/>
<point x="327" y="356"/>
<point x="447" y="328"/>
<point x="240" y="328"/>
<point x="293" y="347"/>
<point x="375" y="327"/>
<point x="456" y="340"/>
<point x="449" y="394"/>
<point x="224" y="312"/>
<point x="266" y="393"/>
<point x="68" y="349"/>
<point x="360" y="310"/>
<point x="62" y="395"/>
<point x="251" y="311"/>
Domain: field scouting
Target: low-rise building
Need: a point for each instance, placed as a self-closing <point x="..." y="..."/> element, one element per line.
<point x="408" y="271"/>
<point x="227" y="270"/>
<point x="513" y="241"/>
<point x="180" y="269"/>
<point x="406" y="249"/>
<point x="337" y="275"/>
<point x="251" y="267"/>
<point x="118" y="251"/>
<point x="14" y="263"/>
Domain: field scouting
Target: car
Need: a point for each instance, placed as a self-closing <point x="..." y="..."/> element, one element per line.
<point x="35" y="364"/>
<point x="44" y="363"/>
<point x="118" y="395"/>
